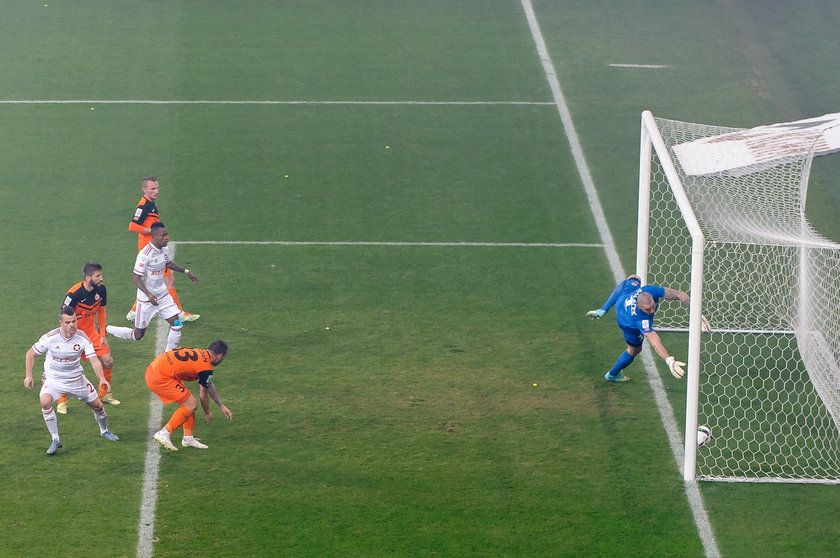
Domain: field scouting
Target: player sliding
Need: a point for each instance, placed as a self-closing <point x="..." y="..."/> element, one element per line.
<point x="166" y="376"/>
<point x="635" y="306"/>
<point x="153" y="297"/>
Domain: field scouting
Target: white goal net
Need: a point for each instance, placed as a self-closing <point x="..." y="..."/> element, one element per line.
<point x="729" y="206"/>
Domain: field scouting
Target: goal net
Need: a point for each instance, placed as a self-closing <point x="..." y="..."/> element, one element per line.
<point x="722" y="215"/>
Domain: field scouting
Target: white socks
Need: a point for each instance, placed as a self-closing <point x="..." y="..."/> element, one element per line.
<point x="174" y="337"/>
<point x="126" y="333"/>
<point x="49" y="419"/>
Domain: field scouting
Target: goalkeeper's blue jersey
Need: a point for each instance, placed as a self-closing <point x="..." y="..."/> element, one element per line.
<point x="628" y="315"/>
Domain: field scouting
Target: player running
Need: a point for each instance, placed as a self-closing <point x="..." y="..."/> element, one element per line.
<point x="145" y="214"/>
<point x="635" y="306"/>
<point x="89" y="298"/>
<point x="166" y="376"/>
<point x="153" y="297"/>
<point x="63" y="373"/>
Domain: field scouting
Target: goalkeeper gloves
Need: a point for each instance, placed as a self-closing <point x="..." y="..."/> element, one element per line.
<point x="676" y="367"/>
<point x="596" y="314"/>
<point x="706" y="326"/>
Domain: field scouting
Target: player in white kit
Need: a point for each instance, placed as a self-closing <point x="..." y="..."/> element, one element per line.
<point x="63" y="373"/>
<point x="153" y="297"/>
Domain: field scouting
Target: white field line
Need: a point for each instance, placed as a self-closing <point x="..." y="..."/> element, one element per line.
<point x="255" y="102"/>
<point x="666" y="412"/>
<point x="645" y="66"/>
<point x="373" y="243"/>
<point x="151" y="468"/>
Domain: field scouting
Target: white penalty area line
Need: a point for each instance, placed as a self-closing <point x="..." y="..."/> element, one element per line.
<point x="645" y="66"/>
<point x="363" y="243"/>
<point x="666" y="412"/>
<point x="256" y="102"/>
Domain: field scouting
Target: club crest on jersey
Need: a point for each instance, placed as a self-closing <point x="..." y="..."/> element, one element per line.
<point x="77" y="347"/>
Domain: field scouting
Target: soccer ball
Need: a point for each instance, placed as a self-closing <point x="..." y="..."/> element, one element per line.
<point x="704" y="434"/>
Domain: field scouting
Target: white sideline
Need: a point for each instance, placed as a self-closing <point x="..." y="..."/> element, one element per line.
<point x="151" y="467"/>
<point x="692" y="491"/>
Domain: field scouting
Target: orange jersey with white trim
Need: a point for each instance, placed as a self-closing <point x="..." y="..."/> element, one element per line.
<point x="182" y="364"/>
<point x="144" y="216"/>
<point x="89" y="305"/>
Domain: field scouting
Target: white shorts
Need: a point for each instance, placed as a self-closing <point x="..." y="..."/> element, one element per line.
<point x="80" y="388"/>
<point x="146" y="311"/>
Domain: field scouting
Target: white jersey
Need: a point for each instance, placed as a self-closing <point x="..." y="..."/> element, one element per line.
<point x="64" y="356"/>
<point x="150" y="265"/>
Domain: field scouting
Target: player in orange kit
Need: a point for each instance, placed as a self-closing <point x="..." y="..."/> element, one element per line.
<point x="88" y="298"/>
<point x="141" y="222"/>
<point x="166" y="376"/>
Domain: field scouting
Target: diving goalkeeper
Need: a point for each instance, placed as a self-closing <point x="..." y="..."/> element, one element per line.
<point x="635" y="306"/>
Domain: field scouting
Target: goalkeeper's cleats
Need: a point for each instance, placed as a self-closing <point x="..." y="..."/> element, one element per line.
<point x="676" y="367"/>
<point x="596" y="314"/>
<point x="616" y="378"/>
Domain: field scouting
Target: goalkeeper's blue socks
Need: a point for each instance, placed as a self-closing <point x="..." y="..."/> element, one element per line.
<point x="622" y="362"/>
<point x="614" y="296"/>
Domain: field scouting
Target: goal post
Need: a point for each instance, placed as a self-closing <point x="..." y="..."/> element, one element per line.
<point x="722" y="216"/>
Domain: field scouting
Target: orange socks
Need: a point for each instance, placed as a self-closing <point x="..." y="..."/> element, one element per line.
<point x="103" y="390"/>
<point x="181" y="416"/>
<point x="174" y="294"/>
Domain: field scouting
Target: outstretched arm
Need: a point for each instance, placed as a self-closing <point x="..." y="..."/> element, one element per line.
<point x="596" y="314"/>
<point x="674" y="366"/>
<point x="175" y="267"/>
<point x="685" y="300"/>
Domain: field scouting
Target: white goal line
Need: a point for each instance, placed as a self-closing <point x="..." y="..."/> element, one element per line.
<point x="363" y="243"/>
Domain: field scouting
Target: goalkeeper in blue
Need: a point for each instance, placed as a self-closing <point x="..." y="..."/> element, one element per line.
<point x="635" y="305"/>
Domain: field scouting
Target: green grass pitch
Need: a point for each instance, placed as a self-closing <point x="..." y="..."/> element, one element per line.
<point x="389" y="400"/>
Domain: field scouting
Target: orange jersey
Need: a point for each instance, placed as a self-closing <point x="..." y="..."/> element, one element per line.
<point x="182" y="364"/>
<point x="89" y="305"/>
<point x="145" y="215"/>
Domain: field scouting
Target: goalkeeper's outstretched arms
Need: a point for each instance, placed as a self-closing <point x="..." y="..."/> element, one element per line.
<point x="675" y="367"/>
<point x="674" y="294"/>
<point x="599" y="313"/>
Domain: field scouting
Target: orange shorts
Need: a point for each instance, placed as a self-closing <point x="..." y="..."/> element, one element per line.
<point x="100" y="347"/>
<point x="169" y="390"/>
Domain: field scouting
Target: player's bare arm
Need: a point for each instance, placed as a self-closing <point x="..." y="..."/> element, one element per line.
<point x="28" y="382"/>
<point x="178" y="269"/>
<point x="138" y="282"/>
<point x="674" y="294"/>
<point x="210" y="391"/>
<point x="655" y="342"/>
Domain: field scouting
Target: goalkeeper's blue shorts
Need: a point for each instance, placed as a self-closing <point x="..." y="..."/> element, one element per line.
<point x="633" y="336"/>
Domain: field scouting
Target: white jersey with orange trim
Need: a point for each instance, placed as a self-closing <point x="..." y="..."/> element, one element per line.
<point x="64" y="356"/>
<point x="151" y="265"/>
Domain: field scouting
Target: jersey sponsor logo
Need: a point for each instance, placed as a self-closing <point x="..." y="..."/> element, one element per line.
<point x="630" y="302"/>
